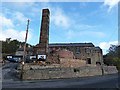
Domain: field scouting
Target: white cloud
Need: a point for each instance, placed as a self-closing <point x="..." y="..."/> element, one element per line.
<point x="15" y="18"/>
<point x="8" y="26"/>
<point x="59" y="18"/>
<point x="14" y="34"/>
<point x="5" y="22"/>
<point x="106" y="45"/>
<point x="19" y="17"/>
<point x="111" y="3"/>
<point x="57" y="15"/>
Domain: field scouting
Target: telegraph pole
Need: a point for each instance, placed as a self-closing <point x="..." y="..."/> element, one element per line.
<point x="24" y="53"/>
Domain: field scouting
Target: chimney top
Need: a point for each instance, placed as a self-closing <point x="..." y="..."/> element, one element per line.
<point x="46" y="10"/>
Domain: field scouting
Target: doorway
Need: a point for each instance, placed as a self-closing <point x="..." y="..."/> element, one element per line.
<point x="88" y="60"/>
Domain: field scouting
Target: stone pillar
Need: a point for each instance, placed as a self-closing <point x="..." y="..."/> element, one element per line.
<point x="44" y="33"/>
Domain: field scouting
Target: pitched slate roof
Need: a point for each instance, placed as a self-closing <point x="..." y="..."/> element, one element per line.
<point x="71" y="44"/>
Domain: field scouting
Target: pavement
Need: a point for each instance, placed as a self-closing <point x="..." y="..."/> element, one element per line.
<point x="10" y="81"/>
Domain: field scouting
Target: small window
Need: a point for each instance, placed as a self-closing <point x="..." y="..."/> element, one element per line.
<point x="76" y="70"/>
<point x="87" y="50"/>
<point x="77" y="50"/>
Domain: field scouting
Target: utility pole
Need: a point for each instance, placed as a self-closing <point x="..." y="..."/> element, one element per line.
<point x="24" y="53"/>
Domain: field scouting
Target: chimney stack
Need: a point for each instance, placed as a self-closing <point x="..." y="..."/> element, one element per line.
<point x="44" y="33"/>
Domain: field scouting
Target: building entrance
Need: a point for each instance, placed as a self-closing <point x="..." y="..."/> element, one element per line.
<point x="88" y="60"/>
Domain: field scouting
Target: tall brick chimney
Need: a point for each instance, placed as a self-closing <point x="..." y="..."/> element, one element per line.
<point x="44" y="33"/>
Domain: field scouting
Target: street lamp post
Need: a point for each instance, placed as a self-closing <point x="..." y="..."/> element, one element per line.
<point x="24" y="53"/>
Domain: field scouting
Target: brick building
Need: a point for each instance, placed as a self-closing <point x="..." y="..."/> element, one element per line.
<point x="82" y="51"/>
<point x="53" y="52"/>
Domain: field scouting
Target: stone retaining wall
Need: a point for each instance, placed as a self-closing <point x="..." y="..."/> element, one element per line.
<point x="58" y="72"/>
<point x="110" y="69"/>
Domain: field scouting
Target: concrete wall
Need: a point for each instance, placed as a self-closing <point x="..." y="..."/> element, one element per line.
<point x="58" y="72"/>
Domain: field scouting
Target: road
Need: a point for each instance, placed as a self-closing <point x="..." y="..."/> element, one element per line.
<point x="10" y="81"/>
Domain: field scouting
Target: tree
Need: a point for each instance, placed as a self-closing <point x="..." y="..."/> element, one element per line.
<point x="11" y="46"/>
<point x="113" y="56"/>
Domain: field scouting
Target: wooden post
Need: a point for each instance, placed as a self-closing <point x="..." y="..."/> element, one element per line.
<point x="24" y="55"/>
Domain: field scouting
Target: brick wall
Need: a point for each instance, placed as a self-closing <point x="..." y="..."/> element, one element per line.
<point x="65" y="54"/>
<point x="72" y="62"/>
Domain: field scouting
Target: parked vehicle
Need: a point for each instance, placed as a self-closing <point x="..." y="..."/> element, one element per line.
<point x="14" y="60"/>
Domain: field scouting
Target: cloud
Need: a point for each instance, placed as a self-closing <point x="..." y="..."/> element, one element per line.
<point x="106" y="45"/>
<point x="8" y="27"/>
<point x="111" y="3"/>
<point x="59" y="18"/>
<point x="57" y="15"/>
<point x="6" y="22"/>
<point x="14" y="34"/>
<point x="19" y="18"/>
<point x="14" y="17"/>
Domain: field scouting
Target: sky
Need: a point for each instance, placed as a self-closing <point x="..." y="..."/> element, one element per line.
<point x="70" y="22"/>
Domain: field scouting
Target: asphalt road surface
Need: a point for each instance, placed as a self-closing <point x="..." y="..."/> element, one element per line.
<point x="10" y="81"/>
